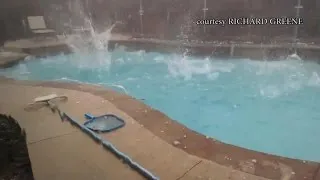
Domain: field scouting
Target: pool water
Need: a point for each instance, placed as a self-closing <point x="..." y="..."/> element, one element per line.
<point x="273" y="107"/>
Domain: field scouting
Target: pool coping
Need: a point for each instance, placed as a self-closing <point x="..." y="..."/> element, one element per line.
<point x="265" y="165"/>
<point x="199" y="48"/>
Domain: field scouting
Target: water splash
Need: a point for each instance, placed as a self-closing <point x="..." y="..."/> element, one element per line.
<point x="84" y="39"/>
<point x="21" y="71"/>
<point x="65" y="79"/>
<point x="92" y="43"/>
<point x="314" y="80"/>
<point x="186" y="28"/>
<point x="88" y="39"/>
<point x="117" y="86"/>
<point x="187" y="67"/>
<point x="270" y="91"/>
<point x="270" y="67"/>
<point x="283" y="77"/>
<point x="294" y="56"/>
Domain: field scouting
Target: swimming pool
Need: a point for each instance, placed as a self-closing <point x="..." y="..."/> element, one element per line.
<point x="271" y="107"/>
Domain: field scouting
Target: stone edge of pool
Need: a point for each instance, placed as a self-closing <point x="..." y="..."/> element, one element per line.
<point x="47" y="47"/>
<point x="252" y="162"/>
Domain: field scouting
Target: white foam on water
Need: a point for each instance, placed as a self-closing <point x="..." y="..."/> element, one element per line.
<point x="314" y="80"/>
<point x="294" y="56"/>
<point x="187" y="67"/>
<point x="140" y="52"/>
<point x="277" y="90"/>
<point x="131" y="79"/>
<point x="69" y="80"/>
<point x="120" y="61"/>
<point x="159" y="59"/>
<point x="29" y="57"/>
<point x="224" y="67"/>
<point x="115" y="85"/>
<point x="20" y="71"/>
<point x="269" y="67"/>
<point x="23" y="69"/>
<point x="213" y="76"/>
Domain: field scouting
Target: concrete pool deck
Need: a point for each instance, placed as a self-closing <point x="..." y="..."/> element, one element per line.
<point x="163" y="146"/>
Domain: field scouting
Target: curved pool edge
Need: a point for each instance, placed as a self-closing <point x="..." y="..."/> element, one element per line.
<point x="252" y="162"/>
<point x="239" y="50"/>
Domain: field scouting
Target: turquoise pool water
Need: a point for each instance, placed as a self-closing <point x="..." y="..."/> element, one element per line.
<point x="273" y="107"/>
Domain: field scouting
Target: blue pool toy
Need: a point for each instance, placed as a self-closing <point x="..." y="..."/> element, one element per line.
<point x="104" y="123"/>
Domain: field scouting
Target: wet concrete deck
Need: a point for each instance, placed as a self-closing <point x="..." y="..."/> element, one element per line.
<point x="60" y="151"/>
